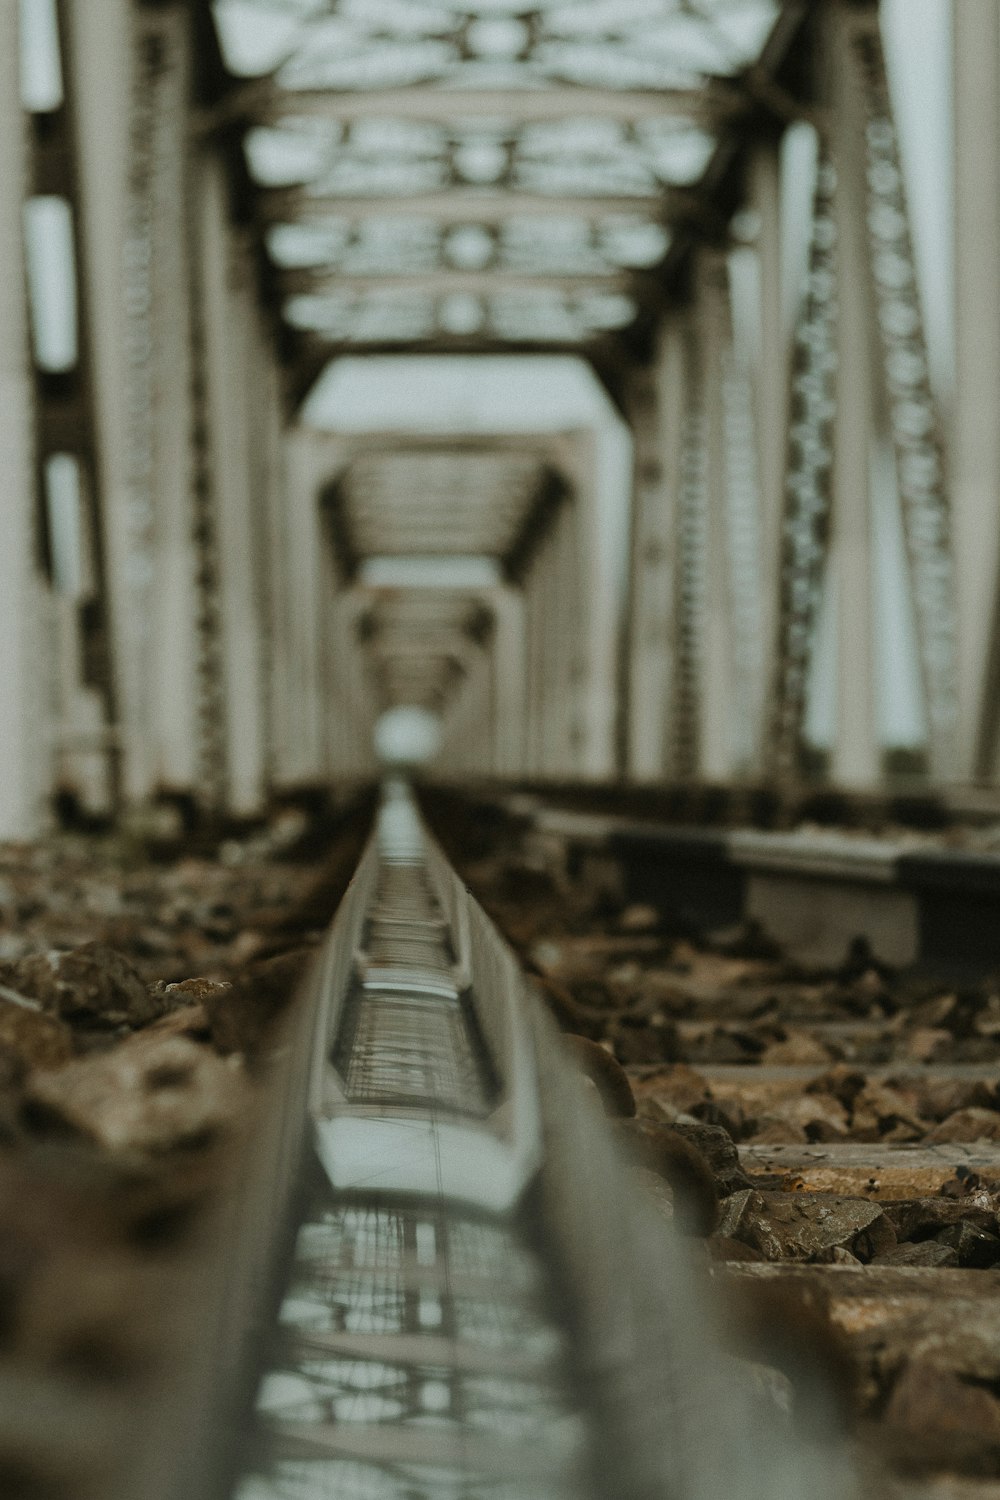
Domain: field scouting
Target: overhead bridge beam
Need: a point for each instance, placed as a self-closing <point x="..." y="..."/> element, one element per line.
<point x="263" y="102"/>
<point x="462" y="205"/>
<point x="448" y="283"/>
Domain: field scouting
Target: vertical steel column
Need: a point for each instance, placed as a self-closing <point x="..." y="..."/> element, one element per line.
<point x="24" y="750"/>
<point x="656" y="409"/>
<point x="684" y="717"/>
<point x="716" y="739"/>
<point x="98" y="60"/>
<point x="334" y="684"/>
<point x="164" y="38"/>
<point x="510" y="672"/>
<point x="548" y="632"/>
<point x="564" y="710"/>
<point x="600" y="620"/>
<point x="536" y="584"/>
<point x="539" y="584"/>
<point x="304" y="541"/>
<point x="467" y="738"/>
<point x="70" y="427"/>
<point x="358" y="708"/>
<point x="530" y="665"/>
<point x="911" y="410"/>
<point x="975" y="448"/>
<point x="772" y="408"/>
<point x="262" y="403"/>
<point x="227" y="304"/>
<point x="805" y="528"/>
<point x="855" y="760"/>
<point x="479" y="683"/>
<point x="269" y="424"/>
<point x="742" y="531"/>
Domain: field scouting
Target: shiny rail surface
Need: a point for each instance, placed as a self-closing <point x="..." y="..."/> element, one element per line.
<point x="479" y="1302"/>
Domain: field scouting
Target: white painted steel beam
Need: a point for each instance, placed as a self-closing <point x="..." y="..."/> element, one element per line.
<point x="855" y="757"/>
<point x="227" y="306"/>
<point x="717" y="681"/>
<point x="598" y="634"/>
<point x="449" y="283"/>
<point x="975" y="446"/>
<point x="509" y="668"/>
<point x="174" y="614"/>
<point x="468" y="205"/>
<point x="530" y="589"/>
<point x="561" y="698"/>
<point x="305" y="468"/>
<point x="265" y="103"/>
<point x="98" y="60"/>
<point x="657" y="413"/>
<point x="771" y="393"/>
<point x="25" y="758"/>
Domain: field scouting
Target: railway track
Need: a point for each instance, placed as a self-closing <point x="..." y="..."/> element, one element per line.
<point x="850" y="1109"/>
<point x="444" y="1268"/>
<point x="477" y="1299"/>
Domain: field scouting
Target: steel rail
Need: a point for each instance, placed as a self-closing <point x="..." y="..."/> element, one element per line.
<point x="436" y="1279"/>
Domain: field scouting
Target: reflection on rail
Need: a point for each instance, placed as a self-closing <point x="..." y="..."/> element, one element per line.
<point x="479" y="1304"/>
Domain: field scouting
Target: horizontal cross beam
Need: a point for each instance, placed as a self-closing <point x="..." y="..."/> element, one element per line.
<point x="484" y="283"/>
<point x="264" y="102"/>
<point x="465" y="205"/>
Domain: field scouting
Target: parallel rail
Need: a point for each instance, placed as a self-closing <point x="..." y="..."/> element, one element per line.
<point x="915" y="900"/>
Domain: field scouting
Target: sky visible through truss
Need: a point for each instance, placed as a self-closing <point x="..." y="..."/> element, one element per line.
<point x="358" y="276"/>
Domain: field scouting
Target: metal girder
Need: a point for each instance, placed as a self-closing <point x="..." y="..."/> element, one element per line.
<point x="263" y="102"/>
<point x="448" y="282"/>
<point x="317" y="349"/>
<point x="466" y="205"/>
<point x="441" y="647"/>
<point x="975" y="436"/>
<point x="420" y="441"/>
<point x="808" y="484"/>
<point x="914" y="421"/>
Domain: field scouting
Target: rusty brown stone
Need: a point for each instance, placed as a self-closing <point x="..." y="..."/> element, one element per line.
<point x="806" y="1226"/>
<point x="242" y="1017"/>
<point x="189" y="1020"/>
<point x="798" y="1048"/>
<point x="197" y="989"/>
<point x="972" y="1245"/>
<point x="639" y="918"/>
<point x="820" y="1117"/>
<point x="676" y="1085"/>
<point x="151" y="1094"/>
<point x="970" y="1124"/>
<point x="921" y="1218"/>
<point x="934" y="1415"/>
<point x="92" y="983"/>
<point x="937" y="1098"/>
<point x="716" y="1146"/>
<point x="843" y="1082"/>
<point x="927" y="1253"/>
<point x="772" y="1130"/>
<point x="879" y="1108"/>
<point x="643" y="1043"/>
<point x="32" y="1039"/>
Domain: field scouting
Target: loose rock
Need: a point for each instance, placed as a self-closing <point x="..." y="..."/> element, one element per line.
<point x="92" y="983"/>
<point x="151" y="1094"/>
<point x="806" y="1227"/>
<point x="971" y="1124"/>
